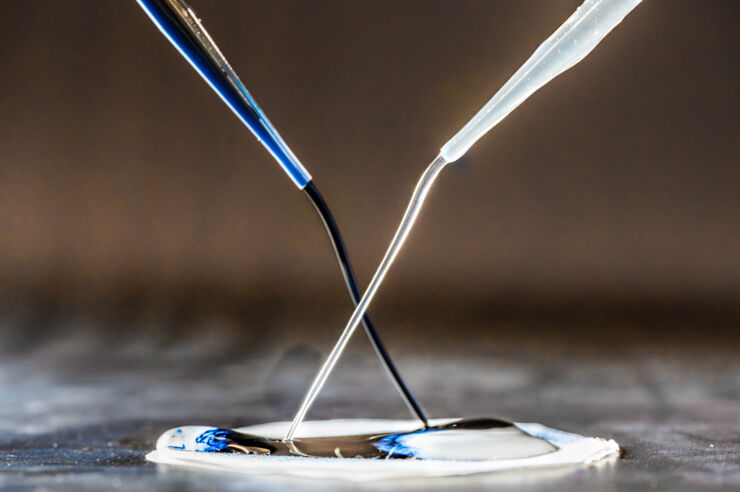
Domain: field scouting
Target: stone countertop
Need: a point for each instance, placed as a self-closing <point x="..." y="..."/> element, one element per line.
<point x="80" y="414"/>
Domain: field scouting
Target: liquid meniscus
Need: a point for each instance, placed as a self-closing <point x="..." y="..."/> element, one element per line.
<point x="481" y="439"/>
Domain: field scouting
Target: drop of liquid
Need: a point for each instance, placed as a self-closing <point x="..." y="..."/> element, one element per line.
<point x="482" y="439"/>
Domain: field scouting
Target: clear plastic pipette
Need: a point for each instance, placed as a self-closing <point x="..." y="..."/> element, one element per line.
<point x="568" y="45"/>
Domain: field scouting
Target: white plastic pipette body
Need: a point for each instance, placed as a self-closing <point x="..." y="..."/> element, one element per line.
<point x="564" y="48"/>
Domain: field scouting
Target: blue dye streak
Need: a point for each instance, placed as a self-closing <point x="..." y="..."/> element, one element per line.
<point x="213" y="440"/>
<point x="393" y="444"/>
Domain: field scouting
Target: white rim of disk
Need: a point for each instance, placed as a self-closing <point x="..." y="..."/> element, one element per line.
<point x="573" y="449"/>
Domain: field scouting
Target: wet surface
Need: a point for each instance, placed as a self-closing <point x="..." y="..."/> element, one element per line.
<point x="471" y="439"/>
<point x="81" y="416"/>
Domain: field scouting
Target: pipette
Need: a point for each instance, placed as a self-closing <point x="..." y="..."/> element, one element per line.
<point x="179" y="24"/>
<point x="572" y="41"/>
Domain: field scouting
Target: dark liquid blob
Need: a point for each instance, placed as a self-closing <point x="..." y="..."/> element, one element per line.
<point x="477" y="439"/>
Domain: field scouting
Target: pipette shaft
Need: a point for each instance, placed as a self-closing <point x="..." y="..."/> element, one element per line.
<point x="179" y="24"/>
<point x="572" y="41"/>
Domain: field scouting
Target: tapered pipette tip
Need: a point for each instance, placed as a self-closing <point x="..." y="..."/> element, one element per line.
<point x="564" y="48"/>
<point x="412" y="212"/>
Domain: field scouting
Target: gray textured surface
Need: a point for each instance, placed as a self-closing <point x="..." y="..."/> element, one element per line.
<point x="82" y="419"/>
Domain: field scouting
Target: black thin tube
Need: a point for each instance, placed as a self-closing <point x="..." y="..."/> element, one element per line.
<point x="349" y="278"/>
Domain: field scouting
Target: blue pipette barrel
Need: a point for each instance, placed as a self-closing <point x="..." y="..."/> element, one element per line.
<point x="180" y="25"/>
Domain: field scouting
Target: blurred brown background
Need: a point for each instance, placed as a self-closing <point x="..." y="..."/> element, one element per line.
<point x="580" y="267"/>
<point x="128" y="190"/>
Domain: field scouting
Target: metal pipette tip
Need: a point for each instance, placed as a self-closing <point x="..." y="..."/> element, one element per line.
<point x="412" y="212"/>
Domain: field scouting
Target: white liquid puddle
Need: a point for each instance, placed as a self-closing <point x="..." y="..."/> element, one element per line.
<point x="362" y="449"/>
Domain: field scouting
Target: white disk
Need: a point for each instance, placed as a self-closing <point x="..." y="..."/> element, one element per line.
<point x="572" y="449"/>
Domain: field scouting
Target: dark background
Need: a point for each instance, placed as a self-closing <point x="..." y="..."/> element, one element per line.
<point x="123" y="174"/>
<point x="599" y="221"/>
